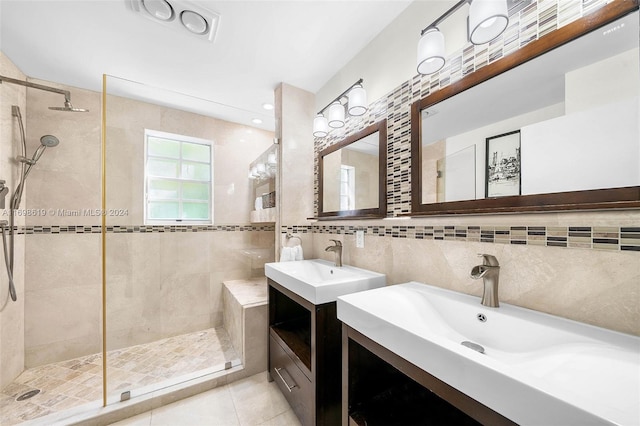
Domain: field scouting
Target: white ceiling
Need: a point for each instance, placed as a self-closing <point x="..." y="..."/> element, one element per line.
<point x="258" y="45"/>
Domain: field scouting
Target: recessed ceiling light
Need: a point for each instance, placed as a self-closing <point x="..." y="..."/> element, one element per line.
<point x="267" y="106"/>
<point x="256" y="121"/>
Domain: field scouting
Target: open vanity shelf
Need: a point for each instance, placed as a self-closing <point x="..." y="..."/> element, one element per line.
<point x="305" y="355"/>
<point x="291" y="328"/>
<point x="382" y="388"/>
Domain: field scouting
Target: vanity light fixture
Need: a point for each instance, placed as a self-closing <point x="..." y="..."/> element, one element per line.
<point x="486" y="21"/>
<point x="355" y="97"/>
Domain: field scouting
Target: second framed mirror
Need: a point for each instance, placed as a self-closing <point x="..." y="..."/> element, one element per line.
<point x="352" y="176"/>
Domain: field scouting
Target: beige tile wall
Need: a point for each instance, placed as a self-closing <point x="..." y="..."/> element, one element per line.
<point x="164" y="284"/>
<point x="11" y="313"/>
<point x="597" y="287"/>
<point x="67" y="177"/>
<point x="235" y="146"/>
<point x="159" y="284"/>
<point x="295" y="183"/>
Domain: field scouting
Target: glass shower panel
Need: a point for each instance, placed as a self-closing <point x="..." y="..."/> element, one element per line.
<point x="50" y="351"/>
<point x="164" y="266"/>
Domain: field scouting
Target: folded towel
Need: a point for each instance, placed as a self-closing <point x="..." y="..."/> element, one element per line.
<point x="287" y="254"/>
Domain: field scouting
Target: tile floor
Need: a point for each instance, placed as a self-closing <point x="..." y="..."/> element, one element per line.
<point x="248" y="402"/>
<point x="69" y="384"/>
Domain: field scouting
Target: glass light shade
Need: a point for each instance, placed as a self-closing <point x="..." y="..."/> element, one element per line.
<point x="320" y="126"/>
<point x="271" y="158"/>
<point x="194" y="22"/>
<point x="336" y="115"/>
<point x="159" y="9"/>
<point x="431" y="52"/>
<point x="487" y="20"/>
<point x="357" y="101"/>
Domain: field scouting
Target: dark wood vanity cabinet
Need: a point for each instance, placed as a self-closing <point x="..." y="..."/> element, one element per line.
<point x="382" y="388"/>
<point x="305" y="355"/>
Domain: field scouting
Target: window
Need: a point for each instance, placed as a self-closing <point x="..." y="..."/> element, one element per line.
<point x="347" y="187"/>
<point x="178" y="175"/>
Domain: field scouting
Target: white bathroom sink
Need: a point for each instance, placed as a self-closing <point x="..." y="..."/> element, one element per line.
<point x="535" y="369"/>
<point x="319" y="281"/>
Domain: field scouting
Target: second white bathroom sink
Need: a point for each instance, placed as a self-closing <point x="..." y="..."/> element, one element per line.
<point x="320" y="281"/>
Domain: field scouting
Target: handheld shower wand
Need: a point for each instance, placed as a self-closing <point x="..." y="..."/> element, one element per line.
<point x="46" y="141"/>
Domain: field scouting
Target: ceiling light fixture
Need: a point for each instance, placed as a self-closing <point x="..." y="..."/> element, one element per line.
<point x="486" y="21"/>
<point x="267" y="106"/>
<point x="256" y="121"/>
<point x="194" y="22"/>
<point x="355" y="97"/>
<point x="179" y="14"/>
<point x="159" y="9"/>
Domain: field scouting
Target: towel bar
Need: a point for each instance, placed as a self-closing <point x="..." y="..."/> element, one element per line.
<point x="290" y="236"/>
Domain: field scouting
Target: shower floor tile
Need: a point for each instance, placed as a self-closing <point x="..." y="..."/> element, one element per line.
<point x="72" y="383"/>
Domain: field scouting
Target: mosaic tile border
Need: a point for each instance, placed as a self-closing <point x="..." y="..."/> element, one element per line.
<point x="297" y="229"/>
<point x="142" y="229"/>
<point x="608" y="238"/>
<point x="534" y="20"/>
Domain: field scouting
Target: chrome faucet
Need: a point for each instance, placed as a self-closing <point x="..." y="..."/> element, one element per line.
<point x="337" y="249"/>
<point x="488" y="271"/>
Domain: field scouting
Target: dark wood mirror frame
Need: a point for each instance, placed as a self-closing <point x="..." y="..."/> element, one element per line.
<point x="372" y="213"/>
<point x="613" y="198"/>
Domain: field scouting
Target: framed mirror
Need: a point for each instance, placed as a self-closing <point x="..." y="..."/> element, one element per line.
<point x="552" y="126"/>
<point x="352" y="176"/>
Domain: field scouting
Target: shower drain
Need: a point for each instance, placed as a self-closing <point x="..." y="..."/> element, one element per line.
<point x="28" y="395"/>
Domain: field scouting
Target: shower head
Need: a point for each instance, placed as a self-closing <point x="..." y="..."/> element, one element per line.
<point x="49" y="141"/>
<point x="68" y="108"/>
<point x="67" y="95"/>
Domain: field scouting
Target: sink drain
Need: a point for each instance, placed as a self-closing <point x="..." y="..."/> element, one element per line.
<point x="476" y="347"/>
<point x="28" y="395"/>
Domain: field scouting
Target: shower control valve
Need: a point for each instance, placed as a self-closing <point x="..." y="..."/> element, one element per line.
<point x="3" y="193"/>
